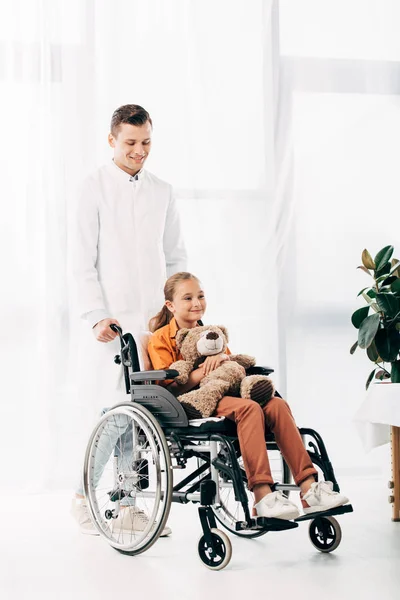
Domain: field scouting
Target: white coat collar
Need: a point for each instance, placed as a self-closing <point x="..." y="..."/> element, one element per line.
<point x="123" y="175"/>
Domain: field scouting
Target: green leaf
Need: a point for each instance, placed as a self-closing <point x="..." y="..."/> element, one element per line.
<point x="383" y="257"/>
<point x="365" y="270"/>
<point x="374" y="306"/>
<point x="372" y="353"/>
<point x="389" y="280"/>
<point x="368" y="330"/>
<point x="359" y="315"/>
<point x="387" y="343"/>
<point x="388" y="304"/>
<point x="382" y="278"/>
<point x="395" y="373"/>
<point x="395" y="287"/>
<point x="371" y="293"/>
<point x="368" y="299"/>
<point x="393" y="262"/>
<point x="354" y="348"/>
<point x="383" y="272"/>
<point x="395" y="265"/>
<point x="370" y="378"/>
<point x="362" y="291"/>
<point x="367" y="260"/>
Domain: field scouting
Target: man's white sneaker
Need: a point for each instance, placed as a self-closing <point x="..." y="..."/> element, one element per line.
<point x="276" y="506"/>
<point x="321" y="497"/>
<point x="133" y="519"/>
<point x="80" y="512"/>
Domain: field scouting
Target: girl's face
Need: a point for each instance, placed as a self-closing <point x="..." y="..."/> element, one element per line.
<point x="188" y="304"/>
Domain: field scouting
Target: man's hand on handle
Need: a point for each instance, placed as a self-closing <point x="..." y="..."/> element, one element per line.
<point x="102" y="330"/>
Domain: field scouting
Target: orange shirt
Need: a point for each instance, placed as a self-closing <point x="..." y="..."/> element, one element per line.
<point x="162" y="347"/>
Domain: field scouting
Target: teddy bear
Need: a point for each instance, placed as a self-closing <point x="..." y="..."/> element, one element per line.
<point x="229" y="379"/>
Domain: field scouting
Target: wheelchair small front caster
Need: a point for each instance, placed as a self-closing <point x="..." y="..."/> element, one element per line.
<point x="325" y="533"/>
<point x="217" y="558"/>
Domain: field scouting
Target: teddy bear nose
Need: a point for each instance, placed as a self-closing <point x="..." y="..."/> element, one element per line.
<point x="212" y="335"/>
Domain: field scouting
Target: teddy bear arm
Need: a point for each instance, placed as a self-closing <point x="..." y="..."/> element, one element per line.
<point x="244" y="360"/>
<point x="184" y="369"/>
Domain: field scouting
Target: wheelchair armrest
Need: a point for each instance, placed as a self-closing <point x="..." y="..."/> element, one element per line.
<point x="259" y="370"/>
<point x="153" y="375"/>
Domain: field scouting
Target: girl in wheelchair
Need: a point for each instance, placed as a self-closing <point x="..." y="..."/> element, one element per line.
<point x="185" y="305"/>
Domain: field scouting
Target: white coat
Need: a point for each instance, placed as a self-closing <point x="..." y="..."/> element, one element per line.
<point x="126" y="241"/>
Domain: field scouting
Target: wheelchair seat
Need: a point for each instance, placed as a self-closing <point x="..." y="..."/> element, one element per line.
<point x="222" y="426"/>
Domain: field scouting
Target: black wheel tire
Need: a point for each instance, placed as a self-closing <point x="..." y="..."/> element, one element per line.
<point x="222" y="546"/>
<point x="325" y="534"/>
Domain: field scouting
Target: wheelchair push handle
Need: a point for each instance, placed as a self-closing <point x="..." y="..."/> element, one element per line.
<point x="116" y="329"/>
<point x="128" y="356"/>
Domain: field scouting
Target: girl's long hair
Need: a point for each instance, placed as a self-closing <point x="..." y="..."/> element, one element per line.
<point x="164" y="316"/>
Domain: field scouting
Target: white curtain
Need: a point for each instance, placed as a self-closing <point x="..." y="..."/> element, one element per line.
<point x="279" y="135"/>
<point x="45" y="124"/>
<point x="204" y="72"/>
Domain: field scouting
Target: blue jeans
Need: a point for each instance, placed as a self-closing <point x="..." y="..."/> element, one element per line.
<point x="118" y="437"/>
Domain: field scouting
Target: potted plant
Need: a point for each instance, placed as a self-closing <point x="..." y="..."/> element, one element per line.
<point x="378" y="323"/>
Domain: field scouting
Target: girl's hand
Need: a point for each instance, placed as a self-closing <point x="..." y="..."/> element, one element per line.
<point x="194" y="379"/>
<point x="213" y="362"/>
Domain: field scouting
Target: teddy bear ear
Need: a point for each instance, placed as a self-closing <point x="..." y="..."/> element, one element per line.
<point x="224" y="331"/>
<point x="180" y="336"/>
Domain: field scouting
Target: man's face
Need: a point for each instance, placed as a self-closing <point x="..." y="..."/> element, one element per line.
<point x="131" y="145"/>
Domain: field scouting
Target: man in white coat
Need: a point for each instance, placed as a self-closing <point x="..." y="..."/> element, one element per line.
<point x="127" y="242"/>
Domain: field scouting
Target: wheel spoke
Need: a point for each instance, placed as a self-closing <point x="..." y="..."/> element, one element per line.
<point x="229" y="511"/>
<point x="128" y="452"/>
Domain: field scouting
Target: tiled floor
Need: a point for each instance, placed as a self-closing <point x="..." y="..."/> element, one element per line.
<point x="42" y="555"/>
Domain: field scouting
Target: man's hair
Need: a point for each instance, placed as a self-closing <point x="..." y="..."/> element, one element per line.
<point x="129" y="113"/>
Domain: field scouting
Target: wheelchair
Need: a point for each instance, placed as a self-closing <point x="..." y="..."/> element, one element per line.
<point x="136" y="446"/>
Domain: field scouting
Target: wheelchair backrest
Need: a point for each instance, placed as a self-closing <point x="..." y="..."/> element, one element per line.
<point x="157" y="399"/>
<point x="142" y="341"/>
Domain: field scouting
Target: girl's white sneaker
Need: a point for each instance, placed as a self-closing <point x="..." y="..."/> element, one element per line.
<point x="276" y="506"/>
<point x="321" y="497"/>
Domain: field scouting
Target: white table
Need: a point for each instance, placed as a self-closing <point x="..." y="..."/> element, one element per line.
<point x="378" y="422"/>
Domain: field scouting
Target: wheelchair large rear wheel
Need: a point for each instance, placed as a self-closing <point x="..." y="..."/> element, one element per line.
<point x="127" y="463"/>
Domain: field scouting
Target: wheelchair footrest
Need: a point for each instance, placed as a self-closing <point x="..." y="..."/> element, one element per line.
<point x="339" y="510"/>
<point x="267" y="524"/>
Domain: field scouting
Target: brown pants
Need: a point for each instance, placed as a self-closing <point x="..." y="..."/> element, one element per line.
<point x="253" y="422"/>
